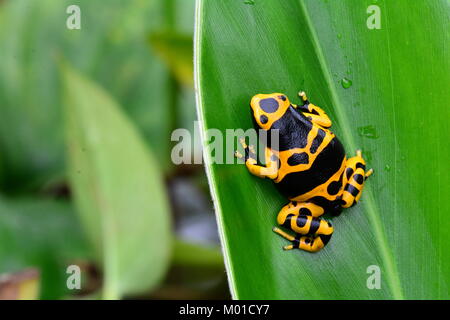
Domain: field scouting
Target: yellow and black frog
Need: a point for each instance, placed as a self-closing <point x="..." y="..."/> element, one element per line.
<point x="308" y="166"/>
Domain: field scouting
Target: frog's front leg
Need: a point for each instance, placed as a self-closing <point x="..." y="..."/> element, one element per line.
<point x="270" y="170"/>
<point x="354" y="177"/>
<point x="313" y="112"/>
<point x="313" y="233"/>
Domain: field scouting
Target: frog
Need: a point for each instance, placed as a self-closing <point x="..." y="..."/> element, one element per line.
<point x="308" y="165"/>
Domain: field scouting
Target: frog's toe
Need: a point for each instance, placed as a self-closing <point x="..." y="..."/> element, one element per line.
<point x="368" y="174"/>
<point x="238" y="155"/>
<point x="285" y="235"/>
<point x="303" y="97"/>
<point x="243" y="143"/>
<point x="358" y="153"/>
<point x="288" y="247"/>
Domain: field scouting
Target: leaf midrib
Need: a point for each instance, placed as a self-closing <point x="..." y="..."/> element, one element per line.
<point x="393" y="278"/>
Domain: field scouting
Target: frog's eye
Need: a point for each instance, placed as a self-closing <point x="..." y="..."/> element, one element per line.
<point x="282" y="97"/>
<point x="269" y="105"/>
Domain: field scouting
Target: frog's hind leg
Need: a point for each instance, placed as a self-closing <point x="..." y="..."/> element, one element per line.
<point x="300" y="208"/>
<point x="313" y="233"/>
<point x="354" y="178"/>
<point x="305" y="242"/>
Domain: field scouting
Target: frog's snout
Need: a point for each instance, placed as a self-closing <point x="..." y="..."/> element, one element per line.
<point x="254" y="103"/>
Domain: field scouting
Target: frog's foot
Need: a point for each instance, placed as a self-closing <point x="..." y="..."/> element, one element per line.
<point x="355" y="176"/>
<point x="303" y="98"/>
<point x="250" y="153"/>
<point x="313" y="233"/>
<point x="270" y="170"/>
<point x="307" y="243"/>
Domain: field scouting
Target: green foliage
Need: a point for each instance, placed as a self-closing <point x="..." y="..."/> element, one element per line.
<point x="175" y="50"/>
<point x="44" y="234"/>
<point x="386" y="91"/>
<point x="113" y="51"/>
<point x="192" y="254"/>
<point x="118" y="188"/>
<point x="110" y="48"/>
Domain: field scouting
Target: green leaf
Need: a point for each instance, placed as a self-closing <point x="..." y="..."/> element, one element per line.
<point x="196" y="255"/>
<point x="43" y="234"/>
<point x="175" y="50"/>
<point x="386" y="91"/>
<point x="118" y="188"/>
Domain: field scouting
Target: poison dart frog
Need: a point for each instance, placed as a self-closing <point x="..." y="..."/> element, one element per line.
<point x="309" y="167"/>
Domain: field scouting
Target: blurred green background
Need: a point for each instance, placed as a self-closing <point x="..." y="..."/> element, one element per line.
<point x="85" y="137"/>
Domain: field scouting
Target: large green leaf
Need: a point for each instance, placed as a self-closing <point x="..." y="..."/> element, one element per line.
<point x="118" y="188"/>
<point x="395" y="108"/>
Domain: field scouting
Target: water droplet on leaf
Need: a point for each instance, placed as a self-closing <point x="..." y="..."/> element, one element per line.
<point x="346" y="83"/>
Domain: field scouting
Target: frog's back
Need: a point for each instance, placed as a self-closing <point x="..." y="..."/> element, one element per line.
<point x="311" y="161"/>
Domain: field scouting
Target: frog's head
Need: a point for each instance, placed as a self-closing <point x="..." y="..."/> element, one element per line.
<point x="268" y="108"/>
